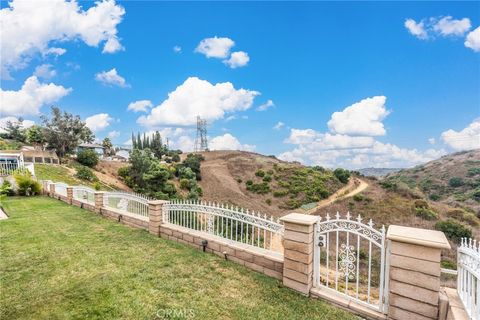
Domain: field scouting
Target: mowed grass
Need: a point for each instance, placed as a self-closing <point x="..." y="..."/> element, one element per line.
<point x="62" y="262"/>
<point x="58" y="173"/>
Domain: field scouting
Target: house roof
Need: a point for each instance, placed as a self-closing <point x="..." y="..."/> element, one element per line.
<point x="91" y="145"/>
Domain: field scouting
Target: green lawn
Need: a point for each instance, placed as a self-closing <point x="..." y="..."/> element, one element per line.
<point x="61" y="262"/>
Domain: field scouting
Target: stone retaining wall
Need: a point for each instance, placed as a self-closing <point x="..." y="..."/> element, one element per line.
<point x="257" y="259"/>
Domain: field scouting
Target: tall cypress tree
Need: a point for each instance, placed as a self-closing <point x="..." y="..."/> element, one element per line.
<point x="134" y="142"/>
<point x="139" y="141"/>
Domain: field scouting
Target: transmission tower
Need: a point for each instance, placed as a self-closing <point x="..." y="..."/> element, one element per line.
<point x="201" y="143"/>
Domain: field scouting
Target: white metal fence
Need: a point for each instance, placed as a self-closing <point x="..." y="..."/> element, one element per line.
<point x="8" y="168"/>
<point x="129" y="204"/>
<point x="468" y="278"/>
<point x="226" y="221"/>
<point x="84" y="194"/>
<point x="61" y="188"/>
<point x="349" y="259"/>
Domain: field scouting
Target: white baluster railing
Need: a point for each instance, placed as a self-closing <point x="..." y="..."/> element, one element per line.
<point x="226" y="221"/>
<point x="468" y="279"/>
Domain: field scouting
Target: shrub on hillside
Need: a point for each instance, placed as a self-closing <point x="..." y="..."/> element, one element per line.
<point x="420" y="203"/>
<point x="259" y="188"/>
<point x="85" y="173"/>
<point x="26" y="185"/>
<point x="434" y="197"/>
<point x="426" y="214"/>
<point x="342" y="175"/>
<point x="6" y="189"/>
<point x="268" y="201"/>
<point x="184" y="184"/>
<point x="476" y="195"/>
<point x="267" y="178"/>
<point x="260" y="173"/>
<point x="473" y="172"/>
<point x="176" y="157"/>
<point x="453" y="230"/>
<point x="280" y="193"/>
<point x="455" y="182"/>
<point x="87" y="157"/>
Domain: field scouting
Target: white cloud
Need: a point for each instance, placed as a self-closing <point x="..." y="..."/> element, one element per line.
<point x="361" y="118"/>
<point x="29" y="29"/>
<point x="350" y="142"/>
<point x="198" y="97"/>
<point x="416" y="29"/>
<point x="4" y="121"/>
<point x="237" y="59"/>
<point x="327" y="141"/>
<point x="114" y="134"/>
<point x="466" y="139"/>
<point x="374" y="154"/>
<point x="473" y="40"/>
<point x="266" y="106"/>
<point x="228" y="142"/>
<point x="98" y="122"/>
<point x="112" y="45"/>
<point x="45" y="71"/>
<point x="111" y="78"/>
<point x="140" y="106"/>
<point x="215" y="47"/>
<point x="447" y="26"/>
<point x="431" y="141"/>
<point x="279" y="125"/>
<point x="177" y="49"/>
<point x="31" y="97"/>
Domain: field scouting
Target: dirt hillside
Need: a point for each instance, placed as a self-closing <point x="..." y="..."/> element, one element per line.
<point x="221" y="171"/>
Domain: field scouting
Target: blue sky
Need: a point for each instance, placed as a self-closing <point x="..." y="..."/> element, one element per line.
<point x="413" y="84"/>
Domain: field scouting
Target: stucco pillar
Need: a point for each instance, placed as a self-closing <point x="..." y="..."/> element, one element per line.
<point x="69" y="194"/>
<point x="155" y="216"/>
<point x="52" y="190"/>
<point x="414" y="272"/>
<point x="98" y="201"/>
<point x="298" y="251"/>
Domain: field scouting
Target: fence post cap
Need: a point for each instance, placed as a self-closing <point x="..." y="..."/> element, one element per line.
<point x="157" y="201"/>
<point x="422" y="237"/>
<point x="298" y="218"/>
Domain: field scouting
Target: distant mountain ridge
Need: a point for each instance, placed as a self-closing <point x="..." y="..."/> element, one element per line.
<point x="377" y="172"/>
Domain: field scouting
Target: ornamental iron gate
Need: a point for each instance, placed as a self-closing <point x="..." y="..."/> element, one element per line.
<point x="349" y="259"/>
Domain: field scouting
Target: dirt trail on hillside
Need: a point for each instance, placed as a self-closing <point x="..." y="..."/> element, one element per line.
<point x="353" y="187"/>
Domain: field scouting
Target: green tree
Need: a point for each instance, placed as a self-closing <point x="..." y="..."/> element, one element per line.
<point x="342" y="175"/>
<point x="65" y="131"/>
<point x="35" y="136"/>
<point x="14" y="130"/>
<point x="107" y="147"/>
<point x="87" y="157"/>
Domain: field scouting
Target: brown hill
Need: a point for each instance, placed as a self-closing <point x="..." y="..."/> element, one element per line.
<point x="226" y="176"/>
<point x="453" y="179"/>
